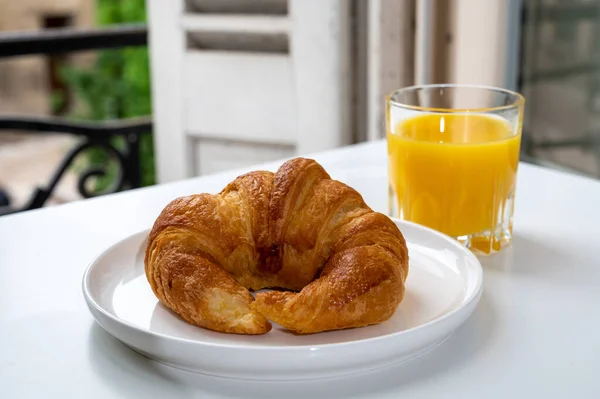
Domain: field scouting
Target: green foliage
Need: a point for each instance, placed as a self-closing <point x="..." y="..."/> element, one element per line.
<point x="116" y="86"/>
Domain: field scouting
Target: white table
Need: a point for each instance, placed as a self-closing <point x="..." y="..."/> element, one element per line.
<point x="536" y="332"/>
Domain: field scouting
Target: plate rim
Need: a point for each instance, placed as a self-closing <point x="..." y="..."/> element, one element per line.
<point x="474" y="297"/>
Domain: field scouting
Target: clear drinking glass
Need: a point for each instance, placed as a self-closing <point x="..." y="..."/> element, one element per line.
<point x="453" y="153"/>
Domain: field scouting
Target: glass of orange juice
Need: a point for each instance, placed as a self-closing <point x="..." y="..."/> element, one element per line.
<point x="453" y="153"/>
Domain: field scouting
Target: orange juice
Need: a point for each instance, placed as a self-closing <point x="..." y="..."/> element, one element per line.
<point x="456" y="173"/>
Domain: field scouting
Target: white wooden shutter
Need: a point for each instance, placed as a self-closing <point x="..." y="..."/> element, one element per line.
<point x="244" y="81"/>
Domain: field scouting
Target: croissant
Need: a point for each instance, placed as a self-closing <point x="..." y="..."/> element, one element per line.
<point x="332" y="262"/>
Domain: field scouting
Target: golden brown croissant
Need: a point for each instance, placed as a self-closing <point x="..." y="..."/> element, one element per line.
<point x="343" y="264"/>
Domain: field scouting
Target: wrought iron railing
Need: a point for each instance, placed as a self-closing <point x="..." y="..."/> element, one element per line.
<point x="68" y="40"/>
<point x="94" y="134"/>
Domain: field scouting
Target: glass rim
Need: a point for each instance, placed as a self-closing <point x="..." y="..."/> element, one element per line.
<point x="519" y="99"/>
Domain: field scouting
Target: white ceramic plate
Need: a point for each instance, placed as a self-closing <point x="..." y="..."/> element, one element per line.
<point x="443" y="288"/>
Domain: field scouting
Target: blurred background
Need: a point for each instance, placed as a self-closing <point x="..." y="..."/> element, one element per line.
<point x="98" y="96"/>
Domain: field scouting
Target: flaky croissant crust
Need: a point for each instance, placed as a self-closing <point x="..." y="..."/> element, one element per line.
<point x="341" y="264"/>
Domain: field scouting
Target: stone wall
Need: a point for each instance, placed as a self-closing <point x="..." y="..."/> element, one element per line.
<point x="24" y="81"/>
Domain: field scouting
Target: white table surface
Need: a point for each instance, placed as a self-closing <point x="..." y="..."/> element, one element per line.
<point x="535" y="333"/>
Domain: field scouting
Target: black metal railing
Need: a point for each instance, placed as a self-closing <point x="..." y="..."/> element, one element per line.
<point x="57" y="41"/>
<point x="93" y="134"/>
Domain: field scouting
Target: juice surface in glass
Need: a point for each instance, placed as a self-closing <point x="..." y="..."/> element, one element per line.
<point x="456" y="173"/>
